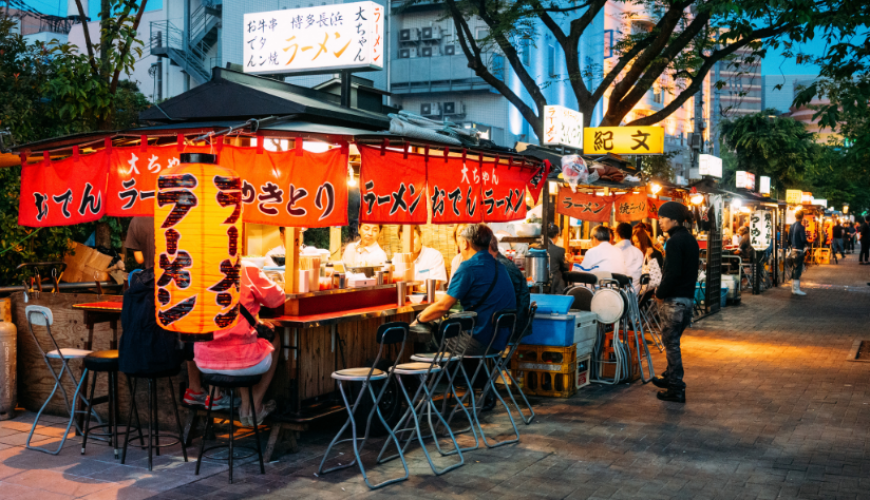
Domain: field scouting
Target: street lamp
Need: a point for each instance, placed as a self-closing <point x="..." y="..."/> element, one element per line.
<point x="845" y="208"/>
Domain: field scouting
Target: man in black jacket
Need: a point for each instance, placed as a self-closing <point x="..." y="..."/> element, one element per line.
<point x="676" y="296"/>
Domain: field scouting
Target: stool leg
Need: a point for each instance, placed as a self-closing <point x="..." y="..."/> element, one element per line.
<point x="113" y="412"/>
<point x="205" y="432"/>
<point x="156" y="421"/>
<point x="256" y="429"/>
<point x="150" y="424"/>
<point x="177" y="420"/>
<point x="132" y="386"/>
<point x="87" y="421"/>
<point x="232" y="417"/>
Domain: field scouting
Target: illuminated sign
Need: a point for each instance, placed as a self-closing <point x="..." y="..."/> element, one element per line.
<point x="624" y="140"/>
<point x="563" y="127"/>
<point x="820" y="201"/>
<point x="710" y="165"/>
<point x="760" y="229"/>
<point x="793" y="196"/>
<point x="315" y="39"/>
<point x="745" y="180"/>
<point x="806" y="198"/>
<point x="764" y="184"/>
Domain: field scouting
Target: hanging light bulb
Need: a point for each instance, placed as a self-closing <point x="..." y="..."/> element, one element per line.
<point x="655" y="188"/>
<point x="697" y="199"/>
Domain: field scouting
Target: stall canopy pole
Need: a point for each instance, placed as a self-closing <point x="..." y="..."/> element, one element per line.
<point x="292" y="238"/>
<point x="545" y="214"/>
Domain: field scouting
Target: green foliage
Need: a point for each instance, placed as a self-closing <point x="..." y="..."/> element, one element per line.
<point x="658" y="167"/>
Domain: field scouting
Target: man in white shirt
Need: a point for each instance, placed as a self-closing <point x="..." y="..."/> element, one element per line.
<point x="632" y="255"/>
<point x="428" y="262"/>
<point x="602" y="257"/>
<point x="365" y="252"/>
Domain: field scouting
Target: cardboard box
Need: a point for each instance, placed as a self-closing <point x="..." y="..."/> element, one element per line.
<point x="86" y="264"/>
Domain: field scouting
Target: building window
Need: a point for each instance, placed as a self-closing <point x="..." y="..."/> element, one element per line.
<point x="551" y="60"/>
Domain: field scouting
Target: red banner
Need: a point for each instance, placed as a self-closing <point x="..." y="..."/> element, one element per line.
<point x="291" y="189"/>
<point x="504" y="192"/>
<point x="62" y="193"/>
<point x="536" y="183"/>
<point x="584" y="206"/>
<point x="133" y="176"/>
<point x="393" y="187"/>
<point x="454" y="187"/>
<point x="652" y="207"/>
<point x="632" y="207"/>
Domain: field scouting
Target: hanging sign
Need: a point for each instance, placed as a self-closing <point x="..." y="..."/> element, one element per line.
<point x="536" y="184"/>
<point x="624" y="140"/>
<point x="291" y="188"/>
<point x="793" y="196"/>
<point x="583" y="206"/>
<point x="325" y="38"/>
<point x="710" y="165"/>
<point x="62" y="193"/>
<point x="764" y="185"/>
<point x="745" y="180"/>
<point x="392" y="188"/>
<point x="652" y="206"/>
<point x="454" y="191"/>
<point x="563" y="127"/>
<point x="504" y="192"/>
<point x="632" y="207"/>
<point x="133" y="176"/>
<point x="806" y="198"/>
<point x="760" y="229"/>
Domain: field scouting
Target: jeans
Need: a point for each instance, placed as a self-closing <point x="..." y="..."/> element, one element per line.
<point x="798" y="265"/>
<point x="837" y="246"/>
<point x="676" y="315"/>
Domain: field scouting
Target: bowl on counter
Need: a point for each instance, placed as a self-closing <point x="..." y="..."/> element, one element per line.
<point x="417" y="298"/>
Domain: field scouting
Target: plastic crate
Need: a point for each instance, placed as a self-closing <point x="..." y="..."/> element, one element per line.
<point x="545" y="358"/>
<point x="546" y="383"/>
<point x="583" y="373"/>
<point x="562" y="330"/>
<point x="608" y="368"/>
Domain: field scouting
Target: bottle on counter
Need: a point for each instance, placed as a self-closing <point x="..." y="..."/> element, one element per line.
<point x="388" y="272"/>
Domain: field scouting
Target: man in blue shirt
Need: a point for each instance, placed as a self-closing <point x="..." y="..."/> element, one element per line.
<point x="474" y="288"/>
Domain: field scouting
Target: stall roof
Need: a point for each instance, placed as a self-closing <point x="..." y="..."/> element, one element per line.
<point x="231" y="95"/>
<point x="555" y="159"/>
<point x="296" y="126"/>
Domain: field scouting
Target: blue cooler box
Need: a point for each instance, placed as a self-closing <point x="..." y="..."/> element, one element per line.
<point x="554" y="325"/>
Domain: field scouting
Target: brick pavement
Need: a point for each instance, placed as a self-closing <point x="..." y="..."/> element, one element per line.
<point x="774" y="411"/>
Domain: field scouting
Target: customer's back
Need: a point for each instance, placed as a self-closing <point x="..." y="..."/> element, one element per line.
<point x="470" y="285"/>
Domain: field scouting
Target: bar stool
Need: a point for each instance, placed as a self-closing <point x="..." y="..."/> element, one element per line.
<point x="509" y="383"/>
<point x="388" y="334"/>
<point x="103" y="362"/>
<point x="42" y="316"/>
<point x="232" y="383"/>
<point x="153" y="424"/>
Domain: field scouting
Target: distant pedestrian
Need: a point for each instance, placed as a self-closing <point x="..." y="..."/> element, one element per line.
<point x="850" y="237"/>
<point x="798" y="244"/>
<point x="676" y="296"/>
<point x="864" y="234"/>
<point x="837" y="242"/>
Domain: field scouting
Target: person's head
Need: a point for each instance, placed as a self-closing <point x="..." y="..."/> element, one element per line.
<point x="457" y="230"/>
<point x="418" y="236"/>
<point x="368" y="234"/>
<point x="493" y="246"/>
<point x="474" y="238"/>
<point x="623" y="231"/>
<point x="672" y="214"/>
<point x="641" y="240"/>
<point x="600" y="234"/>
<point x="743" y="231"/>
<point x="553" y="231"/>
<point x="799" y="215"/>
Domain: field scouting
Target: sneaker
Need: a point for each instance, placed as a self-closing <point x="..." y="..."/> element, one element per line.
<point x="222" y="402"/>
<point x="195" y="398"/>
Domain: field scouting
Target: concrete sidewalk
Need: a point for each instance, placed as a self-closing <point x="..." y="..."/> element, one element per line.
<point x="774" y="410"/>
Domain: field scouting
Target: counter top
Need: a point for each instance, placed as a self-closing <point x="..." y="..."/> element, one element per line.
<point x="333" y="318"/>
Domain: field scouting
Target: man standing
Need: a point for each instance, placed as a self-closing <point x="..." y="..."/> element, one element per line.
<point x="632" y="255"/>
<point x="798" y="243"/>
<point x="676" y="296"/>
<point x="837" y="242"/>
<point x="140" y="239"/>
<point x="864" y="233"/>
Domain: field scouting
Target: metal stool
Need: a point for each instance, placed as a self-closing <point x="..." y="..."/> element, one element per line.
<point x="42" y="316"/>
<point x="232" y="383"/>
<point x="103" y="362"/>
<point x="513" y="345"/>
<point x="153" y="424"/>
<point x="388" y="334"/>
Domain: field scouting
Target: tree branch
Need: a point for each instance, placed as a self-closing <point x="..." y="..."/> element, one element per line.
<point x="125" y="49"/>
<point x="87" y="33"/>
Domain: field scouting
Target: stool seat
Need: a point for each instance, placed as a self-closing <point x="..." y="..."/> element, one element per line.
<point x="231" y="381"/>
<point x="358" y="374"/>
<point x="102" y="361"/>
<point x="68" y="353"/>
<point x="415" y="368"/>
<point x="429" y="356"/>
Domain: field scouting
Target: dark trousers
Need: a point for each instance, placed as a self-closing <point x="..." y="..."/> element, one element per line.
<point x="676" y="315"/>
<point x="837" y="246"/>
<point x="865" y="251"/>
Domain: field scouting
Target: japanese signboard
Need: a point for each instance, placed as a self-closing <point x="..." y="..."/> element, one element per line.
<point x="454" y="191"/>
<point x="764" y="184"/>
<point x="710" y="165"/>
<point x="503" y="191"/>
<point x="760" y="229"/>
<point x="536" y="183"/>
<point x="653" y="205"/>
<point x="563" y="127"/>
<point x="293" y="188"/>
<point x="388" y="198"/>
<point x="583" y="206"/>
<point x="745" y="180"/>
<point x="807" y="198"/>
<point x="62" y="193"/>
<point x="633" y="207"/>
<point x="315" y="39"/>
<point x="624" y="140"/>
<point x="793" y="196"/>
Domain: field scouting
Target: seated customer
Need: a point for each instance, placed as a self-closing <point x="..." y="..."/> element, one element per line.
<point x="632" y="255"/>
<point x="745" y="251"/>
<point x="602" y="257"/>
<point x="518" y="280"/>
<point x="238" y="351"/>
<point x="481" y="285"/>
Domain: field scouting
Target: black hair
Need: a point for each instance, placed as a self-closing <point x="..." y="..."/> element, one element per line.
<point x="479" y="235"/>
<point x="553" y="231"/>
<point x="624" y="230"/>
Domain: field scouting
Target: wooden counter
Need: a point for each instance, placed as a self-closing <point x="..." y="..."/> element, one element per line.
<point x="334" y="318"/>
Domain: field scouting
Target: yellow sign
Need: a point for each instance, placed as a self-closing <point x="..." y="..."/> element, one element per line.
<point x="793" y="196"/>
<point x="624" y="140"/>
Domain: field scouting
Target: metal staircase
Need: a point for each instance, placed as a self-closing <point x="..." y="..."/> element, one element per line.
<point x="167" y="40"/>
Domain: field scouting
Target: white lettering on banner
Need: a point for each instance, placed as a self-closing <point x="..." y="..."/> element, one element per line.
<point x="563" y="127"/>
<point x="760" y="229"/>
<point x="311" y="39"/>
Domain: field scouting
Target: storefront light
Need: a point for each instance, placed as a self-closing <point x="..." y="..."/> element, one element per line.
<point x="351" y="180"/>
<point x="655" y="188"/>
<point x="745" y="210"/>
<point x="735" y="203"/>
<point x="697" y="199"/>
<point x="845" y="208"/>
<point x="554" y="187"/>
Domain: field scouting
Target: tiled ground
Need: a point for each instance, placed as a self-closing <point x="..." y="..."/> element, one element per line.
<point x="774" y="411"/>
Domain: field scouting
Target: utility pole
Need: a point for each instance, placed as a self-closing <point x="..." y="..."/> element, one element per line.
<point x="698" y="148"/>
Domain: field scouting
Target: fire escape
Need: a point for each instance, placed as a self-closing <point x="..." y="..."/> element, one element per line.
<point x="167" y="40"/>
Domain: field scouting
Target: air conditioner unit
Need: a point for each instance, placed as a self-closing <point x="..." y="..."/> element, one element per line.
<point x="453" y="108"/>
<point x="427" y="33"/>
<point x="436" y="51"/>
<point x="431" y="33"/>
<point x="426" y="52"/>
<point x="409" y="35"/>
<point x="449" y="50"/>
<point x="408" y="53"/>
<point x="430" y="109"/>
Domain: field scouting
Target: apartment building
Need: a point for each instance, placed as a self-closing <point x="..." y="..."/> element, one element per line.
<point x="779" y="91"/>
